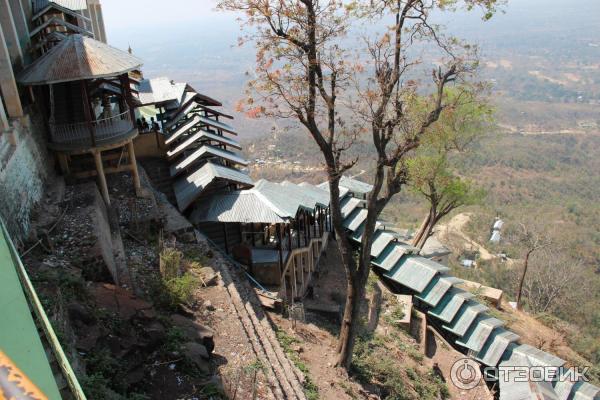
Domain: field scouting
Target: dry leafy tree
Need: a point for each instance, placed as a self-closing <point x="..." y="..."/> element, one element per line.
<point x="325" y="64"/>
<point x="431" y="170"/>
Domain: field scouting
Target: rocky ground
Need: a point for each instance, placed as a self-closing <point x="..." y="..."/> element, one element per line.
<point x="124" y="341"/>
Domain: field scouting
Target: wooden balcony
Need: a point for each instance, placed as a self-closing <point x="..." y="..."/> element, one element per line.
<point x="101" y="133"/>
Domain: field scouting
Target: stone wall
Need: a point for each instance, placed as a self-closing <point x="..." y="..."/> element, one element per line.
<point x="24" y="167"/>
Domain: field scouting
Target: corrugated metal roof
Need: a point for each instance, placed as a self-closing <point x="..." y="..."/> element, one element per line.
<point x="494" y="348"/>
<point x="320" y="195"/>
<point x="358" y="233"/>
<point x="565" y="389"/>
<point x="286" y="205"/>
<point x="297" y="190"/>
<point x="206" y="151"/>
<point x="187" y="189"/>
<point x="537" y="357"/>
<point x="466" y="317"/>
<point x="181" y="114"/>
<point x="201" y="137"/>
<point x="357" y="217"/>
<point x="415" y="272"/>
<point x="218" y="124"/>
<point x="185" y="127"/>
<point x="160" y="90"/>
<point x="58" y="21"/>
<point x="355" y="186"/>
<point x="437" y="288"/>
<point x="78" y="57"/>
<point x="381" y="239"/>
<point x="75" y="5"/>
<point x="479" y="332"/>
<point x="240" y="206"/>
<point x="325" y="186"/>
<point x="389" y="256"/>
<point x="512" y="388"/>
<point x="450" y="304"/>
<point x="348" y="205"/>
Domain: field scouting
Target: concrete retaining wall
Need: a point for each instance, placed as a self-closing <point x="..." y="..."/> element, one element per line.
<point x="24" y="167"/>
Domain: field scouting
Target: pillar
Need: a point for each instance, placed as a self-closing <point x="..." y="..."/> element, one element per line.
<point x="134" y="169"/>
<point x="64" y="164"/>
<point x="10" y="33"/>
<point x="101" y="177"/>
<point x="3" y="117"/>
<point x="20" y="21"/>
<point x="8" y="85"/>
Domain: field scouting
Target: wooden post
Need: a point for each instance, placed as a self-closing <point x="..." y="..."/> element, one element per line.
<point x="64" y="164"/>
<point x="134" y="169"/>
<point x="314" y="221"/>
<point x="87" y="111"/>
<point x="278" y="229"/>
<point x="126" y="92"/>
<point x="101" y="177"/>
<point x="289" y="229"/>
<point x="298" y="231"/>
<point x="225" y="235"/>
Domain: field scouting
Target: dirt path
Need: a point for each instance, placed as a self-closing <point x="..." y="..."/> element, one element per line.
<point x="455" y="227"/>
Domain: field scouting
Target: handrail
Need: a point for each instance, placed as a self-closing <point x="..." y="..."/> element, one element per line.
<point x="101" y="129"/>
<point x="38" y="309"/>
<point x="267" y="293"/>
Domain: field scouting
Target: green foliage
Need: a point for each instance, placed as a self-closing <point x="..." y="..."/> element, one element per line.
<point x="170" y="263"/>
<point x="311" y="390"/>
<point x="372" y="363"/>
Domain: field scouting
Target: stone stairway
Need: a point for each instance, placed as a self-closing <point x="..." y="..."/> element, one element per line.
<point x="285" y="379"/>
<point x="158" y="171"/>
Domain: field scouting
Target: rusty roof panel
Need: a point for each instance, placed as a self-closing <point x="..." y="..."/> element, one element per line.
<point x="76" y="58"/>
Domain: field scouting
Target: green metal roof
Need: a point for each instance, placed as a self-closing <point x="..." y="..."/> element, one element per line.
<point x="19" y="338"/>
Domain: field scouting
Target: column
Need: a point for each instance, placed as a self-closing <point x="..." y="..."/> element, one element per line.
<point x="134" y="169"/>
<point x="20" y="20"/>
<point x="8" y="84"/>
<point x="101" y="176"/>
<point x="10" y="33"/>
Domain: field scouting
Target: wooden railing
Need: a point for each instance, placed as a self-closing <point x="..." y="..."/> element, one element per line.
<point x="300" y="265"/>
<point x="94" y="132"/>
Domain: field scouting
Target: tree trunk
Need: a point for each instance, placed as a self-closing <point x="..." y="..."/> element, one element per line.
<point x="426" y="233"/>
<point x="522" y="281"/>
<point x="421" y="230"/>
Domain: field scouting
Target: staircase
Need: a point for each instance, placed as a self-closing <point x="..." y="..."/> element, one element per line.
<point x="158" y="170"/>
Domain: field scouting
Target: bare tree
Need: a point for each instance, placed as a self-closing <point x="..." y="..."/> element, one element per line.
<point x="554" y="280"/>
<point x="529" y="236"/>
<point x="343" y="89"/>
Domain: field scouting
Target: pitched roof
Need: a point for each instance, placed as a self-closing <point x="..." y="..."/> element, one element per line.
<point x="187" y="189"/>
<point x="78" y="57"/>
<point x="239" y="206"/>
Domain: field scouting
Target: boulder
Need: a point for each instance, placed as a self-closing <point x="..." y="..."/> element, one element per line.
<point x="195" y="331"/>
<point x="197" y="354"/>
